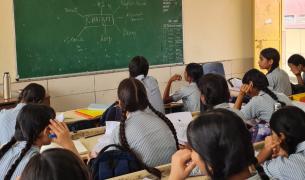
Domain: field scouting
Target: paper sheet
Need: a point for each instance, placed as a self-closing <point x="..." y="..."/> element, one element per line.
<point x="60" y="117"/>
<point x="110" y="126"/>
<point x="106" y="139"/>
<point x="77" y="143"/>
<point x="180" y="121"/>
<point x="81" y="149"/>
<point x="237" y="83"/>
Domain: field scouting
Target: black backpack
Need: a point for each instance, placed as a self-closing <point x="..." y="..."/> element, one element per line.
<point x="113" y="113"/>
<point x="113" y="163"/>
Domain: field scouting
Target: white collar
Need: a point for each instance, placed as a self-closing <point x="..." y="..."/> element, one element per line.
<point x="140" y="77"/>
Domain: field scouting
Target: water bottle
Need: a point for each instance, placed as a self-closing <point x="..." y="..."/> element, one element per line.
<point x="6" y="86"/>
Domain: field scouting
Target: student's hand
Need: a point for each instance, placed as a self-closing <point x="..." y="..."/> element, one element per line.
<point x="271" y="147"/>
<point x="62" y="133"/>
<point x="181" y="165"/>
<point x="279" y="152"/>
<point x="268" y="150"/>
<point x="175" y="77"/>
<point x="245" y="88"/>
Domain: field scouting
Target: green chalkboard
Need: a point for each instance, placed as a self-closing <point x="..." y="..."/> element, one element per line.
<point x="57" y="37"/>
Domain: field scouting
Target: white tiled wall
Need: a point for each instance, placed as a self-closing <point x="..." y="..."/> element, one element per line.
<point x="77" y="92"/>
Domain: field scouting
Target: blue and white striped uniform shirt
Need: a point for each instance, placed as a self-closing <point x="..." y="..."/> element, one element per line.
<point x="190" y="96"/>
<point x="8" y="123"/>
<point x="262" y="106"/>
<point x="291" y="168"/>
<point x="12" y="155"/>
<point x="149" y="137"/>
<point x="279" y="81"/>
<point x="153" y="92"/>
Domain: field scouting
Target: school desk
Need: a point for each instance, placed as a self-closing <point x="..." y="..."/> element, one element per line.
<point x="165" y="170"/>
<point x="173" y="107"/>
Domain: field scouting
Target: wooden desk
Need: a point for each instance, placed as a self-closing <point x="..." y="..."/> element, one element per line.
<point x="173" y="107"/>
<point x="165" y="170"/>
<point x="11" y="103"/>
<point x="8" y="104"/>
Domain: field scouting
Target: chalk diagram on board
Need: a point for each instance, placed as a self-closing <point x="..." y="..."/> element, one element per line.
<point x="106" y="20"/>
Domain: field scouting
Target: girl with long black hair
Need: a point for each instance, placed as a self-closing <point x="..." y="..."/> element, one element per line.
<point x="34" y="125"/>
<point x="264" y="101"/>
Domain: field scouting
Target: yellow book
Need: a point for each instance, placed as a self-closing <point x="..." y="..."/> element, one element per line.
<point x="299" y="97"/>
<point x="90" y="113"/>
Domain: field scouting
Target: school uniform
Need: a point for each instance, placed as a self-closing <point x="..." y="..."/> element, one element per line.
<point x="287" y="168"/>
<point x="12" y="155"/>
<point x="262" y="106"/>
<point x="190" y="96"/>
<point x="8" y="123"/>
<point x="153" y="92"/>
<point x="279" y="81"/>
<point x="149" y="137"/>
<point x="228" y="107"/>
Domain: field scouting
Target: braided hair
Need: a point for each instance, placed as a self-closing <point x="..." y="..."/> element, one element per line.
<point x="31" y="121"/>
<point x="260" y="82"/>
<point x="132" y="95"/>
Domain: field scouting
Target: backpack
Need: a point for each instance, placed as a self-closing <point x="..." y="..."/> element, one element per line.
<point x="260" y="131"/>
<point x="113" y="113"/>
<point x="113" y="163"/>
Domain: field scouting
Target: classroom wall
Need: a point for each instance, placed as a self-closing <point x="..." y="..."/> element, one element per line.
<point x="219" y="30"/>
<point x="294" y="43"/>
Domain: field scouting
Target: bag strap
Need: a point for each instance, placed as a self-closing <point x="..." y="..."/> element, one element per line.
<point x="112" y="145"/>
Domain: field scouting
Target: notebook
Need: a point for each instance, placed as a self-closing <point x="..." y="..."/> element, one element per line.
<point x="180" y="121"/>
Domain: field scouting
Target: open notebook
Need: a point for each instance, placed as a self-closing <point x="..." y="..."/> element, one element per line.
<point x="180" y="121"/>
<point x="78" y="144"/>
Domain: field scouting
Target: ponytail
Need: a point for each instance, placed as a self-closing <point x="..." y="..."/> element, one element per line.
<point x="273" y="96"/>
<point x="16" y="163"/>
<point x="168" y="123"/>
<point x="124" y="143"/>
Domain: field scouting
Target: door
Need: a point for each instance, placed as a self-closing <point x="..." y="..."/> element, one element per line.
<point x="267" y="26"/>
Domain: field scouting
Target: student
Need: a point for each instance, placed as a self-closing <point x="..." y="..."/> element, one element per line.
<point x="143" y="130"/>
<point x="189" y="94"/>
<point x="32" y="130"/>
<point x="138" y="68"/>
<point x="215" y="93"/>
<point x="263" y="102"/>
<point x="220" y="145"/>
<point x="296" y="63"/>
<point x="283" y="155"/>
<point x="278" y="79"/>
<point x="32" y="93"/>
<point x="55" y="164"/>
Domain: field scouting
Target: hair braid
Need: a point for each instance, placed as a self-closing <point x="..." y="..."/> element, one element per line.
<point x="167" y="121"/>
<point x="123" y="138"/>
<point x="16" y="163"/>
<point x="274" y="97"/>
<point x="7" y="146"/>
<point x="125" y="144"/>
